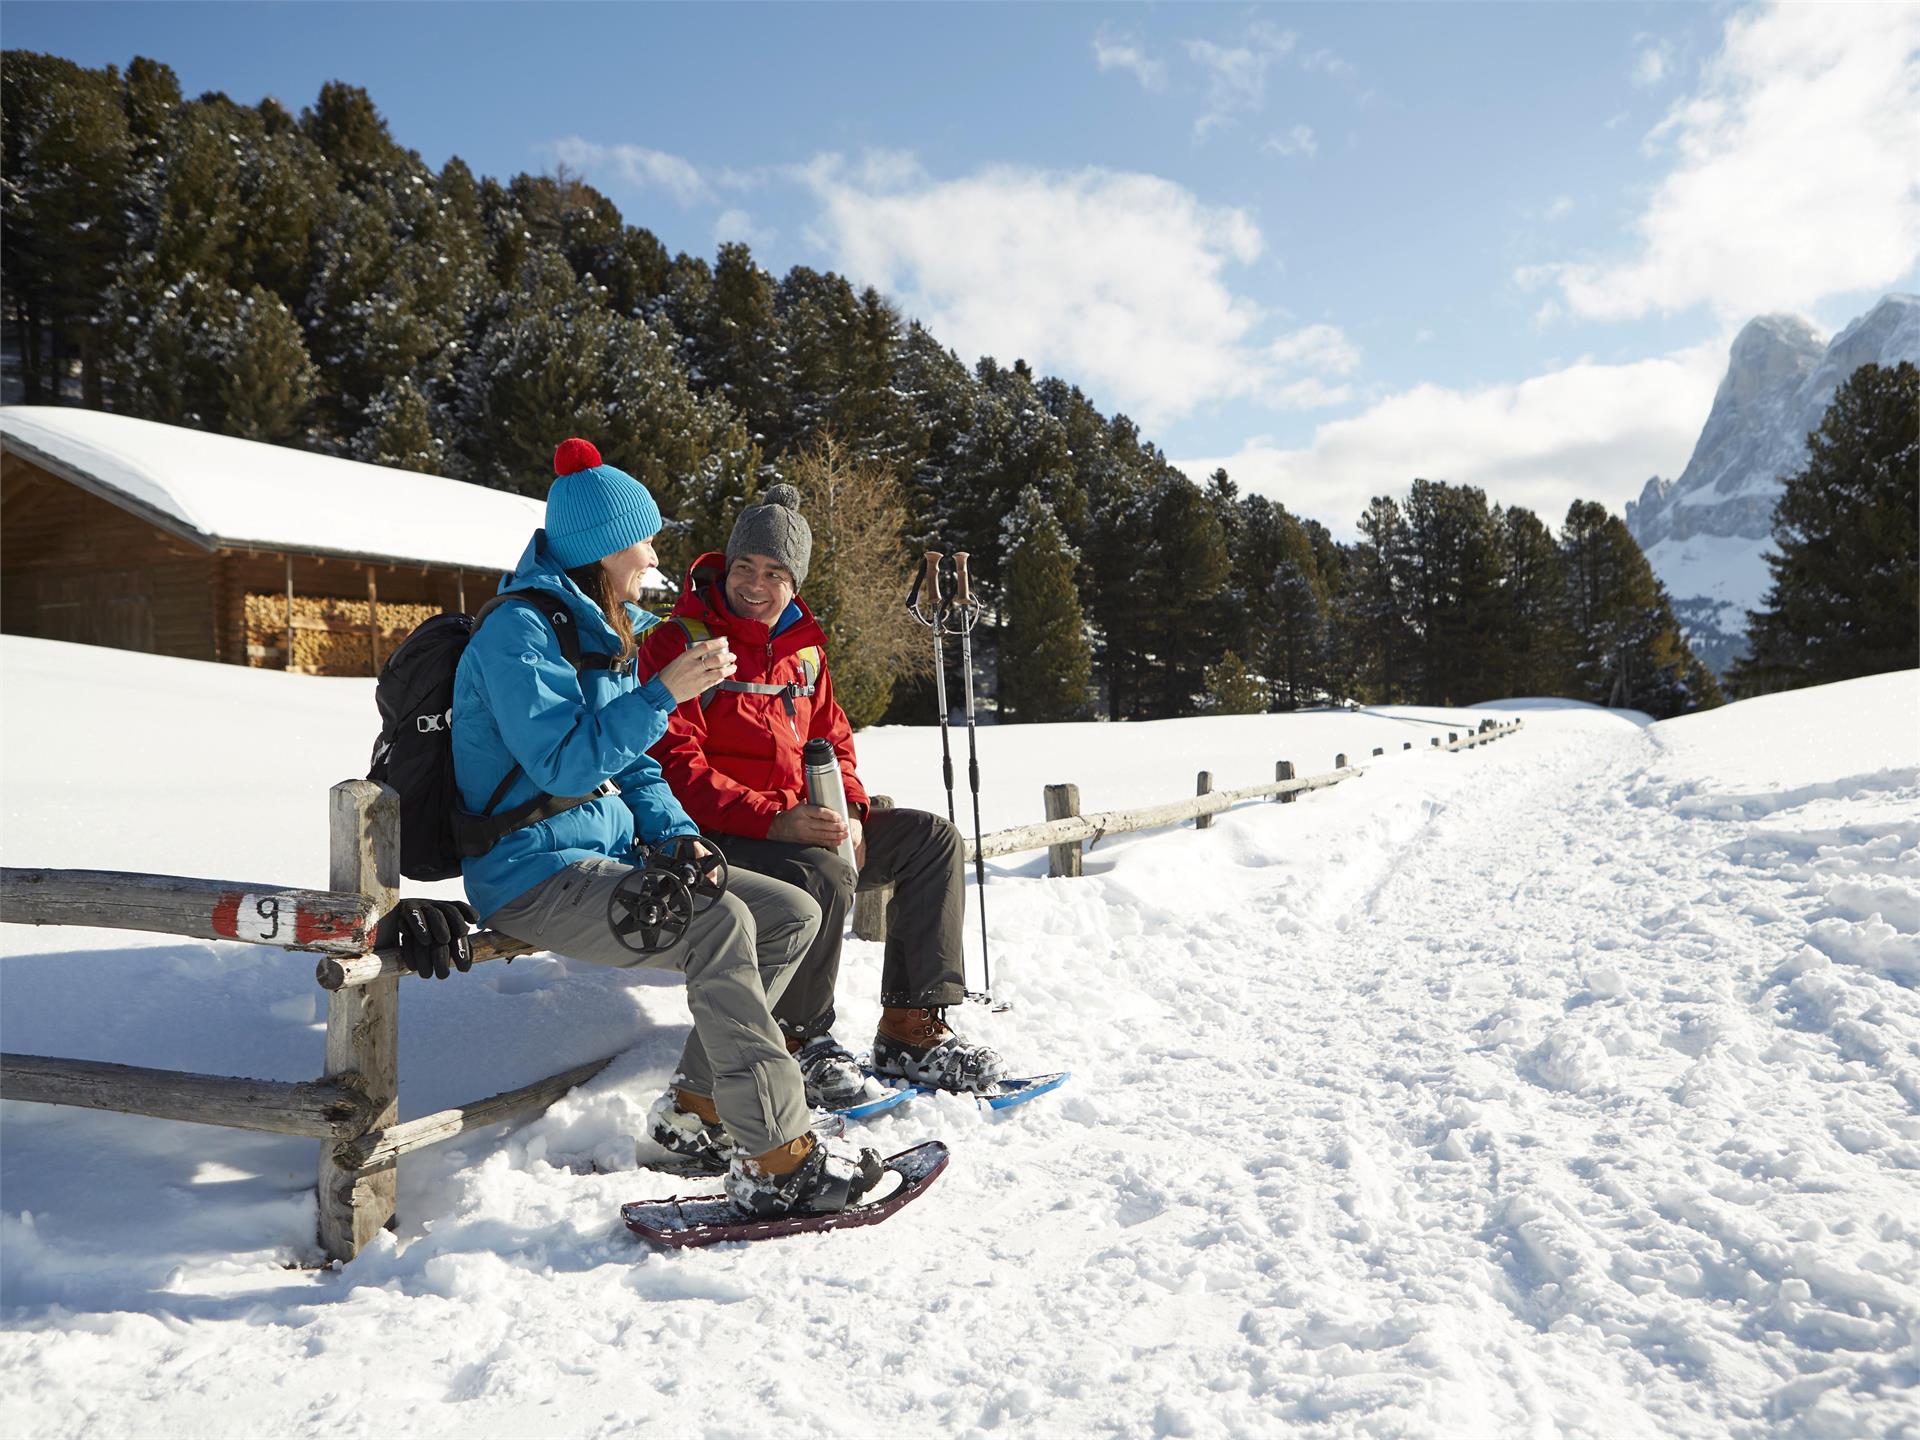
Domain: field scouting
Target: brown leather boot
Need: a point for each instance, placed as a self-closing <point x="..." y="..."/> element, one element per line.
<point x="918" y="1030"/>
<point x="696" y="1104"/>
<point x="918" y="1046"/>
<point x="784" y="1159"/>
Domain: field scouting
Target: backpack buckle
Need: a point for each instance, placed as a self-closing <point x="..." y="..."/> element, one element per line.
<point x="427" y="724"/>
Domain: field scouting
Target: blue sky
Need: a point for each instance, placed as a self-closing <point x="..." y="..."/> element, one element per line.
<point x="1330" y="246"/>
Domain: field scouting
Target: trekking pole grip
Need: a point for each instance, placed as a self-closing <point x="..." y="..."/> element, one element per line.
<point x="962" y="595"/>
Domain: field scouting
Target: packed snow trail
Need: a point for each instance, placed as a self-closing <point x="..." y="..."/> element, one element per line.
<point x="1563" y="1087"/>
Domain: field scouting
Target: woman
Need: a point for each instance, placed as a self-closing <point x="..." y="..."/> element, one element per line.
<point x="520" y="705"/>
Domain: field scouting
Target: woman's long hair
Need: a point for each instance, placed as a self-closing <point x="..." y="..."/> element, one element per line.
<point x="593" y="580"/>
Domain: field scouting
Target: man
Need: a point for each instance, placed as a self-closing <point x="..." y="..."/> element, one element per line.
<point x="732" y="756"/>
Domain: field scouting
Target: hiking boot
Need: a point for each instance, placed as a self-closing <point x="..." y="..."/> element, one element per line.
<point x="686" y="1126"/>
<point x="917" y="1045"/>
<point x="834" y="1079"/>
<point x="807" y="1176"/>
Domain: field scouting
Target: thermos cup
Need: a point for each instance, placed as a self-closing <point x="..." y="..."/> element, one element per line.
<point x="825" y="787"/>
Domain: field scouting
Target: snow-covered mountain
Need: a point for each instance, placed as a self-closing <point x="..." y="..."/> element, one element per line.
<point x="1706" y="533"/>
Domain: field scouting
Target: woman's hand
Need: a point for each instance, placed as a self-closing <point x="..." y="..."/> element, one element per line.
<point x="698" y="668"/>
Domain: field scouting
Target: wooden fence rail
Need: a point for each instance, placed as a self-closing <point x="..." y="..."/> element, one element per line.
<point x="353" y="1108"/>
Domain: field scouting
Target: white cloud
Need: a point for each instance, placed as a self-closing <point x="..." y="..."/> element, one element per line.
<point x="738" y="225"/>
<point x="1115" y="53"/>
<point x="1117" y="281"/>
<point x="1561" y="207"/>
<point x="1651" y="65"/>
<point x="1328" y="63"/>
<point x="1795" y="173"/>
<point x="1297" y="141"/>
<point x="1324" y="348"/>
<point x="1237" y="74"/>
<point x="1588" y="432"/>
<point x="636" y="165"/>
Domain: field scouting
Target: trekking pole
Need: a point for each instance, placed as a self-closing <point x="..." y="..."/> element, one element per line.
<point x="932" y="613"/>
<point x="966" y="609"/>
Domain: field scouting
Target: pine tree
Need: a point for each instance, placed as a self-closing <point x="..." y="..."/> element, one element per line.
<point x="1183" y="569"/>
<point x="1529" y="644"/>
<point x="1231" y="690"/>
<point x="1844" y="599"/>
<point x="735" y="348"/>
<point x="1627" y="647"/>
<point x="1453" y="570"/>
<point x="267" y="382"/>
<point x="168" y="349"/>
<point x="65" y="157"/>
<point x="399" y="432"/>
<point x="1374" y="636"/>
<point x="1045" y="661"/>
<point x="1295" y="600"/>
<point x="1254" y="545"/>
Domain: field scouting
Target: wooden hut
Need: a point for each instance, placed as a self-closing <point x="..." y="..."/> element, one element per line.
<point x="123" y="532"/>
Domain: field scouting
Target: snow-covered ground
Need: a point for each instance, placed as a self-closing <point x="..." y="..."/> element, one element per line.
<point x="1569" y="1086"/>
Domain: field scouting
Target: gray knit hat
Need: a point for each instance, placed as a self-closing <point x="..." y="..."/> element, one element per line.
<point x="774" y="528"/>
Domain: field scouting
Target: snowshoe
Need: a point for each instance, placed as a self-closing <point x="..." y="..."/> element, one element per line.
<point x="832" y="1176"/>
<point x="919" y="1047"/>
<point x="695" y="1220"/>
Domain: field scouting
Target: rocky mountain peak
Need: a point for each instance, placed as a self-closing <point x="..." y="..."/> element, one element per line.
<point x="1705" y="534"/>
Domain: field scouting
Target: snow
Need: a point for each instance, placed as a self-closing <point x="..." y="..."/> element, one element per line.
<point x="1730" y="570"/>
<point x="241" y="492"/>
<point x="1568" y="1086"/>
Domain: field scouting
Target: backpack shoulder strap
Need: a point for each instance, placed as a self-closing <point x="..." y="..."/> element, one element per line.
<point x="551" y="607"/>
<point x="694" y="628"/>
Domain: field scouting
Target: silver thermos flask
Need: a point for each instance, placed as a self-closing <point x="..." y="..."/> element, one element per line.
<point x="825" y="787"/>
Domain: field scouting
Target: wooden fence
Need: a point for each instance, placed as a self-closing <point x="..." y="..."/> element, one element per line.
<point x="353" y="1107"/>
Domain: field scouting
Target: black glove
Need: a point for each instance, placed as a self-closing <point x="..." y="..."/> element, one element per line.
<point x="433" y="936"/>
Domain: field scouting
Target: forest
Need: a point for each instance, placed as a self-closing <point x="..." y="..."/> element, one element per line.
<point x="306" y="280"/>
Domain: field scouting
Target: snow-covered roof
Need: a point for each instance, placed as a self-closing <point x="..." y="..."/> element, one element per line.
<point x="217" y="491"/>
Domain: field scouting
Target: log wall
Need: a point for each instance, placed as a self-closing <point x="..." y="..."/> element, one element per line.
<point x="74" y="568"/>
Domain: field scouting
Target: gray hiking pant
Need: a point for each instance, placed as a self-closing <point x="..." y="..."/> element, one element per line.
<point x="737" y="958"/>
<point x="923" y="858"/>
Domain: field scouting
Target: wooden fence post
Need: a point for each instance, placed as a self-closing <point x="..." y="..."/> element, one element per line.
<point x="1283" y="770"/>
<point x="1340" y="762"/>
<point x="1203" y="785"/>
<point x="870" y="906"/>
<point x="363" y="1039"/>
<point x="1060" y="802"/>
<point x="1379" y="750"/>
<point x="1436" y="742"/>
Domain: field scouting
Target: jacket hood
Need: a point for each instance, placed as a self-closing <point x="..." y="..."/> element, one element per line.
<point x="537" y="568"/>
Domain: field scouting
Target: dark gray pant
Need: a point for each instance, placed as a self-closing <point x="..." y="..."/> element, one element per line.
<point x="923" y="858"/>
<point x="737" y="958"/>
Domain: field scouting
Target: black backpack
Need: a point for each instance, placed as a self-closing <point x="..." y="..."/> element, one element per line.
<point x="414" y="753"/>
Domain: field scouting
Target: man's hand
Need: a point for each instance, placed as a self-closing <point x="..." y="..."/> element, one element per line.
<point x="859" y="833"/>
<point x="809" y="825"/>
<point x="432" y="935"/>
<point x="697" y="669"/>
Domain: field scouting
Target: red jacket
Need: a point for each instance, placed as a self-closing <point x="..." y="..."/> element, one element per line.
<point x="735" y="762"/>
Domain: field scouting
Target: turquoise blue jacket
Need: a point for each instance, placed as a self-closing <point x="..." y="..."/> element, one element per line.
<point x="516" y="697"/>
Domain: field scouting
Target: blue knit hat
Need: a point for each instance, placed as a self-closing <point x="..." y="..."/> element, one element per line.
<point x="594" y="509"/>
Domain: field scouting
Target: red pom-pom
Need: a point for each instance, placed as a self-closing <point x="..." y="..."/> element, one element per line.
<point x="574" y="454"/>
